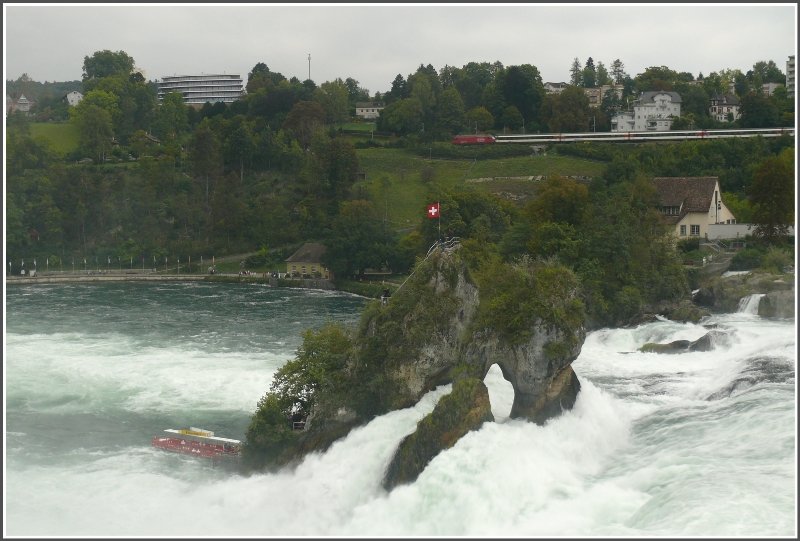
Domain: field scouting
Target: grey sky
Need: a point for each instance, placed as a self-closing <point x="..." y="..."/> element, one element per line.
<point x="373" y="43"/>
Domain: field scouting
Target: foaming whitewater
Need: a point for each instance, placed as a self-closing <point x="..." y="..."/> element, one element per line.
<point x="695" y="444"/>
<point x="750" y="303"/>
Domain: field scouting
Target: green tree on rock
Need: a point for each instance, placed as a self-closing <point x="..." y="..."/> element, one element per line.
<point x="772" y="196"/>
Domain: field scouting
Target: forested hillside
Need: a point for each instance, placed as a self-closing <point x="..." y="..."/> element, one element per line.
<point x="128" y="179"/>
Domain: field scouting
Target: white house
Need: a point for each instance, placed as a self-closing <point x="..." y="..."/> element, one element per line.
<point x="21" y="104"/>
<point x="723" y="108"/>
<point x="691" y="205"/>
<point x="368" y="110"/>
<point x="653" y="111"/>
<point x="73" y="98"/>
<point x="554" y="88"/>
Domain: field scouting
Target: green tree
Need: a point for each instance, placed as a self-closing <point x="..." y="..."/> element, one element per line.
<point x="758" y="112"/>
<point x="303" y="120"/>
<point x="656" y="78"/>
<point x="402" y="117"/>
<point x="103" y="64"/>
<point x="512" y="118"/>
<point x="618" y="71"/>
<point x="95" y="130"/>
<point x="261" y="78"/>
<point x="357" y="241"/>
<point x="520" y="86"/>
<point x="567" y="111"/>
<point x="576" y="73"/>
<point x="333" y="96"/>
<point x="171" y="118"/>
<point x="398" y="91"/>
<point x="205" y="155"/>
<point x="772" y="196"/>
<point x="355" y="93"/>
<point x="479" y="119"/>
<point x="450" y="112"/>
<point x="602" y="75"/>
<point x="767" y="72"/>
<point x="239" y="144"/>
<point x="589" y="74"/>
<point x="472" y="79"/>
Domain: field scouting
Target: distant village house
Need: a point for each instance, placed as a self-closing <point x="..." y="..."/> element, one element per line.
<point x="368" y="110"/>
<point x="306" y="262"/>
<point x="21" y="104"/>
<point x="724" y="108"/>
<point x="73" y="98"/>
<point x="692" y="205"/>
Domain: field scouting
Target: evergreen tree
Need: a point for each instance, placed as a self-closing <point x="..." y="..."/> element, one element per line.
<point x="576" y="73"/>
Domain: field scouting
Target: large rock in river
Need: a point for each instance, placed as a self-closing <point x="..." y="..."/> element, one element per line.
<point x="439" y="327"/>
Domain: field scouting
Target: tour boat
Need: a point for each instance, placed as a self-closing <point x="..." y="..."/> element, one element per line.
<point x="197" y="442"/>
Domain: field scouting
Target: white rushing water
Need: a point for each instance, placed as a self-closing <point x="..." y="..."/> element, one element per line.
<point x="693" y="444"/>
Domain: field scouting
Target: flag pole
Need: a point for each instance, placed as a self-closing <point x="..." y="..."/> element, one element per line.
<point x="439" y="220"/>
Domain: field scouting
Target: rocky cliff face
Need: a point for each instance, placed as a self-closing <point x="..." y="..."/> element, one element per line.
<point x="436" y="329"/>
<point x="723" y="294"/>
<point x="466" y="408"/>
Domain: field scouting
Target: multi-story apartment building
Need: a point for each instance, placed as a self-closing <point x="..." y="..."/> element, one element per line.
<point x="790" y="77"/>
<point x="653" y="111"/>
<point x="724" y="108"/>
<point x="768" y="89"/>
<point x="199" y="89"/>
<point x="596" y="95"/>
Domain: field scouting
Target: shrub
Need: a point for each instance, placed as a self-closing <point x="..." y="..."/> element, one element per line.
<point x="775" y="260"/>
<point x="689" y="245"/>
<point x="746" y="259"/>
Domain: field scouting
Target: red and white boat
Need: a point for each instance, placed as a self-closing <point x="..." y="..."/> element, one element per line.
<point x="197" y="442"/>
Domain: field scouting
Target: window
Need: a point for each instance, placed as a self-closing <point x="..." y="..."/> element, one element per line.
<point x="695" y="231"/>
<point x="683" y="231"/>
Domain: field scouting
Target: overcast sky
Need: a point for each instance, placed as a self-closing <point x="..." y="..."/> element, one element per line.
<point x="374" y="43"/>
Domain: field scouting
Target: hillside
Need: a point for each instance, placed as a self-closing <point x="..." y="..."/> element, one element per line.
<point x="401" y="182"/>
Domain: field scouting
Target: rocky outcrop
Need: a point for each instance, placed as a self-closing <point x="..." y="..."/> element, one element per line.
<point x="777" y="304"/>
<point x="542" y="387"/>
<point x="707" y="342"/>
<point x="723" y="293"/>
<point x="440" y="327"/>
<point x="466" y="408"/>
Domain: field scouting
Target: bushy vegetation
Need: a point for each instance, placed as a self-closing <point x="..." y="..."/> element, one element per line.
<point x="515" y="295"/>
<point x="746" y="259"/>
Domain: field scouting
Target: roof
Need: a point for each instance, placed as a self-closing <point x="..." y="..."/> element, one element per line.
<point x="310" y="252"/>
<point x="363" y="104"/>
<point x="692" y="194"/>
<point x="725" y="99"/>
<point x="648" y="97"/>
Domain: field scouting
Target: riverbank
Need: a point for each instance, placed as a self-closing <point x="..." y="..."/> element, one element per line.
<point x="101" y="277"/>
<point x="370" y="290"/>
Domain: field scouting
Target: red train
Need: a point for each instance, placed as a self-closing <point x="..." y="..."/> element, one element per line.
<point x="473" y="139"/>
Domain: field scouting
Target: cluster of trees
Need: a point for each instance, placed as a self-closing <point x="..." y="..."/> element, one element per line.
<point x="485" y="96"/>
<point x="271" y="170"/>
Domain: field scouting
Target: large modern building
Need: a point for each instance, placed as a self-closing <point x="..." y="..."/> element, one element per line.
<point x="199" y="89"/>
<point x="790" y="77"/>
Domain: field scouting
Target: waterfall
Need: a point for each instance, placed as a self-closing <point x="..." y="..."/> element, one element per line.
<point x="749" y="304"/>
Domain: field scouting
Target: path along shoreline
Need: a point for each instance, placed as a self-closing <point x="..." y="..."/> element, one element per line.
<point x="107" y="277"/>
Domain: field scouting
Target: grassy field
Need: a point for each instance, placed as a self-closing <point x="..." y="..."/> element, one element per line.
<point x="62" y="136"/>
<point x="402" y="184"/>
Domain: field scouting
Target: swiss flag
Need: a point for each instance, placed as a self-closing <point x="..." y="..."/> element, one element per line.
<point x="433" y="210"/>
